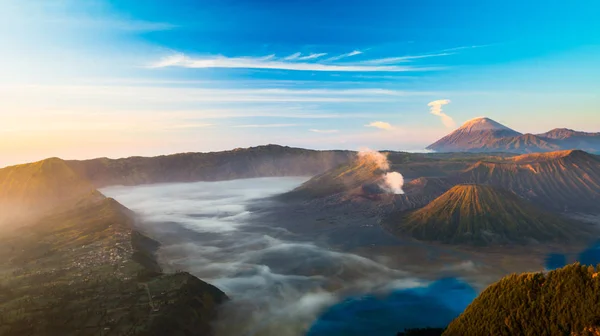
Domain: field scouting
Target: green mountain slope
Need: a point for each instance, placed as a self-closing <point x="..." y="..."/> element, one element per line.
<point x="31" y="189"/>
<point x="482" y="215"/>
<point x="84" y="271"/>
<point x="561" y="302"/>
<point x="72" y="264"/>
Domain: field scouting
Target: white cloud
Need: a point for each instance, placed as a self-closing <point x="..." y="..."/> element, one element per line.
<point x="171" y="60"/>
<point x="298" y="56"/>
<point x="350" y="54"/>
<point x="400" y="59"/>
<point x="324" y="131"/>
<point x="92" y="94"/>
<point x="312" y="56"/>
<point x="381" y="125"/>
<point x="265" y="125"/>
<point x="293" y="56"/>
<point x="270" y="62"/>
<point x="436" y="109"/>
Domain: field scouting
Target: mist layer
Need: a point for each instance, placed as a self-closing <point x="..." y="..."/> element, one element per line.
<point x="280" y="283"/>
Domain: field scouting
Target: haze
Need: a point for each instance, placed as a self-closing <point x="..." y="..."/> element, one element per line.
<point x="85" y="79"/>
<point x="279" y="282"/>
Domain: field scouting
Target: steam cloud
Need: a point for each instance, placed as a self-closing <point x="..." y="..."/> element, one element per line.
<point x="392" y="181"/>
<point x="369" y="155"/>
<point x="436" y="109"/>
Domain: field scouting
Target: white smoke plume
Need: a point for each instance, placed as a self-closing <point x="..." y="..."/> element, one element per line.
<point x="366" y="154"/>
<point x="436" y="109"/>
<point x="394" y="182"/>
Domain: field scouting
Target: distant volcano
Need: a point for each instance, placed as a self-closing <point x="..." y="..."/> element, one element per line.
<point x="482" y="215"/>
<point x="486" y="135"/>
<point x="477" y="133"/>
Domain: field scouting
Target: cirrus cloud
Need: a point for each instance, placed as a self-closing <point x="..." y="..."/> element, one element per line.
<point x="294" y="62"/>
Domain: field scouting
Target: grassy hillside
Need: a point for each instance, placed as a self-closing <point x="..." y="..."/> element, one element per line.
<point x="84" y="272"/>
<point x="482" y="215"/>
<point x="71" y="264"/>
<point x="561" y="302"/>
<point x="39" y="186"/>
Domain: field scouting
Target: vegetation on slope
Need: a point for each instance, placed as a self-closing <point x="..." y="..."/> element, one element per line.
<point x="39" y="186"/>
<point x="73" y="273"/>
<point x="482" y="215"/>
<point x="561" y="302"/>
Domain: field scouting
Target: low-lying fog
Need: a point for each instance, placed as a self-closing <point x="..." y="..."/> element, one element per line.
<point x="279" y="282"/>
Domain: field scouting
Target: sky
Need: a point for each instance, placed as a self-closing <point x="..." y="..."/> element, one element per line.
<point x="116" y="78"/>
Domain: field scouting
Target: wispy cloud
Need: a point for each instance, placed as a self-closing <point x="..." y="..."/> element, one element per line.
<point x="324" y="131"/>
<point x="138" y="95"/>
<point x="400" y="59"/>
<point x="265" y="125"/>
<point x="293" y="56"/>
<point x="469" y="47"/>
<point x="287" y="63"/>
<point x="436" y="109"/>
<point x="350" y="54"/>
<point x="381" y="125"/>
<point x="298" y="56"/>
<point x="312" y="56"/>
<point x="117" y="24"/>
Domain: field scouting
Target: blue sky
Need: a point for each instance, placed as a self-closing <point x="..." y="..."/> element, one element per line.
<point x="82" y="79"/>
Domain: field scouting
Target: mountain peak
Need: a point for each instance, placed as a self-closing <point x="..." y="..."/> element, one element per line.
<point x="483" y="124"/>
<point x="482" y="215"/>
<point x="39" y="186"/>
<point x="476" y="134"/>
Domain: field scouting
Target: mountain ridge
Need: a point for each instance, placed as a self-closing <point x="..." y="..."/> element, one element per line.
<point x="66" y="242"/>
<point x="561" y="181"/>
<point x="486" y="135"/>
<point x="260" y="161"/>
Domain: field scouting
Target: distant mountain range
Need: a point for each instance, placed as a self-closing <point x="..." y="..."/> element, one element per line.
<point x="473" y="199"/>
<point x="29" y="190"/>
<point x="260" y="161"/>
<point x="486" y="135"/>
